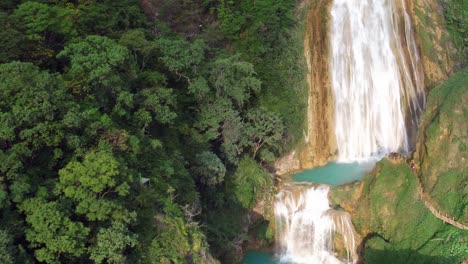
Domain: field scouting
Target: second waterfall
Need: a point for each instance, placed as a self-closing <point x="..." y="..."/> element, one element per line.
<point x="378" y="90"/>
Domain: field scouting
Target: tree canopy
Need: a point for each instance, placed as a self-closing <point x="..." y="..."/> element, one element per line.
<point x="130" y="130"/>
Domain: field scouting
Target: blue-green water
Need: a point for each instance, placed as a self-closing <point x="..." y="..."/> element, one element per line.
<point x="258" y="257"/>
<point x="335" y="173"/>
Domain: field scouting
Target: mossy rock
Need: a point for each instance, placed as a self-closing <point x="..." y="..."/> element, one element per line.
<point x="442" y="149"/>
<point x="397" y="226"/>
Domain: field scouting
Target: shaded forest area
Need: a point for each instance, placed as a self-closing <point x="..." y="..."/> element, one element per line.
<point x="142" y="132"/>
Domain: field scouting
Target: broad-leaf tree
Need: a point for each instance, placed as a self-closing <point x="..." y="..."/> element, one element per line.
<point x="263" y="128"/>
<point x="92" y="183"/>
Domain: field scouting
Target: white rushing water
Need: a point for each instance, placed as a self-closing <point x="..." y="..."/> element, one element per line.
<point x="305" y="226"/>
<point x="379" y="94"/>
<point x="376" y="77"/>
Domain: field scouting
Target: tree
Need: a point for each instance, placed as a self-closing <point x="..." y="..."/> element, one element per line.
<point x="180" y="56"/>
<point x="6" y="242"/>
<point x="209" y="168"/>
<point x="142" y="49"/>
<point x="52" y="232"/>
<point x="12" y="41"/>
<point x="93" y="185"/>
<point x="263" y="128"/>
<point x="232" y="134"/>
<point x="211" y="116"/>
<point x="33" y="104"/>
<point x="234" y="79"/>
<point x="158" y="102"/>
<point x="199" y="88"/>
<point x="98" y="66"/>
<point x="112" y="242"/>
<point x="30" y="102"/>
<point x="110" y="17"/>
<point x="39" y="19"/>
<point x="249" y="182"/>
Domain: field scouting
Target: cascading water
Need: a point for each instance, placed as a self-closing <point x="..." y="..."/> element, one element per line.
<point x="305" y="226"/>
<point x="377" y="83"/>
<point x="375" y="77"/>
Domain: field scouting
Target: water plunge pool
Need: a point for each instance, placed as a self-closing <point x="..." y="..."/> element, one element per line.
<point x="334" y="173"/>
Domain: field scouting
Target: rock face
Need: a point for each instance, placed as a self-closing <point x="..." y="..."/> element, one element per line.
<point x="386" y="208"/>
<point x="319" y="140"/>
<point x="288" y="164"/>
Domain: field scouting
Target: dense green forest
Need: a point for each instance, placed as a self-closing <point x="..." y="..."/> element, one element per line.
<point x="141" y="132"/>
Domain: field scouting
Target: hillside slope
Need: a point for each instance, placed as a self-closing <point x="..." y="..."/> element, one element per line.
<point x="386" y="206"/>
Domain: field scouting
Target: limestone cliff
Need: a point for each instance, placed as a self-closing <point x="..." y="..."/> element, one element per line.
<point x="319" y="141"/>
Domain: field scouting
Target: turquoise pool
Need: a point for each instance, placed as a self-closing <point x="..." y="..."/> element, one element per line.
<point x="335" y="173"/>
<point x="258" y="257"/>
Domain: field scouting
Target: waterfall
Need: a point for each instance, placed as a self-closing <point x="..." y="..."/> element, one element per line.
<point x="377" y="83"/>
<point x="305" y="225"/>
<point x="376" y="77"/>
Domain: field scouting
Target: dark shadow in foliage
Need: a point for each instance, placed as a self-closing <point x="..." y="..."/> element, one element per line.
<point x="230" y="233"/>
<point x="188" y="18"/>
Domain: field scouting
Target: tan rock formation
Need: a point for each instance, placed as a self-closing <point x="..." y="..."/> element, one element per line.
<point x="319" y="138"/>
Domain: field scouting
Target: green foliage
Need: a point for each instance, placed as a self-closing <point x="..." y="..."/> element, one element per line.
<point x="171" y="245"/>
<point x="111" y="244"/>
<point x="232" y="134"/>
<point x="32" y="106"/>
<point x="211" y="117"/>
<point x="88" y="182"/>
<point x="403" y="228"/>
<point x="379" y="251"/>
<point x="456" y="15"/>
<point x="110" y="17"/>
<point x="52" y="232"/>
<point x="40" y="19"/>
<point x="11" y="40"/>
<point x="179" y="238"/>
<point x="121" y="145"/>
<point x="157" y="104"/>
<point x="263" y="128"/>
<point x="30" y="101"/>
<point x="142" y="49"/>
<point x="255" y="25"/>
<point x="96" y="63"/>
<point x="6" y="242"/>
<point x="199" y="88"/>
<point x="285" y="87"/>
<point x="209" y="168"/>
<point x="179" y="55"/>
<point x="234" y="79"/>
<point x="249" y="182"/>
